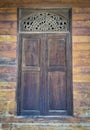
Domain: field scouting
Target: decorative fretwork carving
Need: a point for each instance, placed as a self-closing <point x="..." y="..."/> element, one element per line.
<point x="44" y="22"/>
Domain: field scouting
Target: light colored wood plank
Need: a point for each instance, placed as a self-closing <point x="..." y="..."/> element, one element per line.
<point x="81" y="62"/>
<point x="8" y="39"/>
<point x="81" y="39"/>
<point x="82" y="54"/>
<point x="81" y="46"/>
<point x="81" y="70"/>
<point x="8" y="10"/>
<point x="81" y="78"/>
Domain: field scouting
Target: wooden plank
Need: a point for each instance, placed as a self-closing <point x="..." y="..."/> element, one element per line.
<point x="8" y="10"/>
<point x="8" y="47"/>
<point x="43" y="3"/>
<point x="8" y="54"/>
<point x="8" y="39"/>
<point x="81" y="62"/>
<point x="8" y="17"/>
<point x="7" y="77"/>
<point x="81" y="10"/>
<point x="7" y="69"/>
<point x="8" y="24"/>
<point x="85" y="78"/>
<point x="81" y="54"/>
<point x="5" y="61"/>
<point x="7" y="85"/>
<point x="81" y="70"/>
<point x="80" y="39"/>
<point x="81" y="85"/>
<point x="83" y="23"/>
<point x="81" y="31"/>
<point x="81" y="47"/>
<point x="6" y="31"/>
<point x="81" y="17"/>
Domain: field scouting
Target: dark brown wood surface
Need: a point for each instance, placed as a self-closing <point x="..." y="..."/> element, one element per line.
<point x="44" y="70"/>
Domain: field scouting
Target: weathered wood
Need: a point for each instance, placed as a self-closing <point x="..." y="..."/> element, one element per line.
<point x="7" y="85"/>
<point x="81" y="86"/>
<point x="81" y="10"/>
<point x="7" y="77"/>
<point x="7" y="69"/>
<point x="4" y="61"/>
<point x="81" y="24"/>
<point x="81" y="31"/>
<point x="8" y="10"/>
<point x="8" y="24"/>
<point x="8" y="47"/>
<point x="8" y="39"/>
<point x="6" y="31"/>
<point x="81" y="70"/>
<point x="81" y="62"/>
<point x="40" y="3"/>
<point x="8" y="17"/>
<point x="8" y="54"/>
<point x="85" y="78"/>
<point x="81" y="17"/>
<point x="81" y="47"/>
<point x="82" y="54"/>
<point x="80" y="39"/>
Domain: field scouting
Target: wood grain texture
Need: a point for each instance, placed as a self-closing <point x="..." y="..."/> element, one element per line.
<point x="8" y="54"/>
<point x="8" y="10"/>
<point x="81" y="47"/>
<point x="81" y="39"/>
<point x="8" y="17"/>
<point x="81" y="24"/>
<point x="81" y="31"/>
<point x="82" y="16"/>
<point x="8" y="39"/>
<point x="81" y="55"/>
<point x="8" y="47"/>
<point x="81" y="10"/>
<point x="36" y="3"/>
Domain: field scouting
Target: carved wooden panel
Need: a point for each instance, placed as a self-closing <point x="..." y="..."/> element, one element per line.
<point x="44" y="20"/>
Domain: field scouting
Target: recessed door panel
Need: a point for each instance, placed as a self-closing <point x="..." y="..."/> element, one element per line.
<point x="31" y="89"/>
<point x="57" y="90"/>
<point x="56" y="54"/>
<point x="31" y="52"/>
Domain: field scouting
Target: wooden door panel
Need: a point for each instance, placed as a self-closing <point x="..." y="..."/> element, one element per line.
<point x="57" y="73"/>
<point x="57" y="90"/>
<point x="45" y="72"/>
<point x="56" y="52"/>
<point x="31" y="52"/>
<point x="30" y="91"/>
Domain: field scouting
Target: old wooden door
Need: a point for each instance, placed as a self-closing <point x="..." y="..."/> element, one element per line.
<point x="45" y="65"/>
<point x="44" y="71"/>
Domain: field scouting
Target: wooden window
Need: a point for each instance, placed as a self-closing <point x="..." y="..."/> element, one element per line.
<point x="44" y="74"/>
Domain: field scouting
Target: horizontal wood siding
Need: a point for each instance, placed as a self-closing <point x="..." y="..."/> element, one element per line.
<point x="81" y="59"/>
<point x="8" y="60"/>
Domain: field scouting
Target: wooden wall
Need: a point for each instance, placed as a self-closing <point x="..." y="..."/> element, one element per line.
<point x="8" y="63"/>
